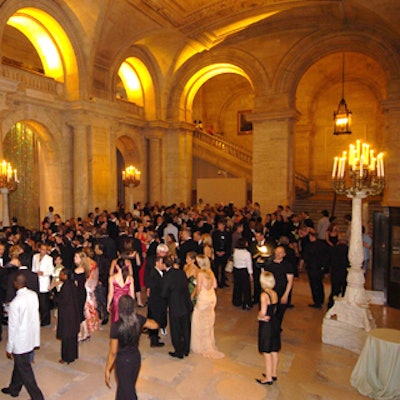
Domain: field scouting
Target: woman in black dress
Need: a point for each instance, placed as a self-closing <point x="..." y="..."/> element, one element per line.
<point x="68" y="317"/>
<point x="80" y="274"/>
<point x="124" y="348"/>
<point x="269" y="332"/>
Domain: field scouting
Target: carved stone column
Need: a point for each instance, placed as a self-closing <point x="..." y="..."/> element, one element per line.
<point x="155" y="161"/>
<point x="177" y="171"/>
<point x="391" y="147"/>
<point x="81" y="173"/>
<point x="273" y="169"/>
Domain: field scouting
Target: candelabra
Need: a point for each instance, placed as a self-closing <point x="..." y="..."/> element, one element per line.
<point x="8" y="183"/>
<point x="356" y="174"/>
<point x="131" y="179"/>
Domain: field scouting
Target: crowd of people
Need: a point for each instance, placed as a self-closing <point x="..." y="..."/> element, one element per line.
<point x="170" y="259"/>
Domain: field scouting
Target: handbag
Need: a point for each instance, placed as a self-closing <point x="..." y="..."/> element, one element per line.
<point x="229" y="266"/>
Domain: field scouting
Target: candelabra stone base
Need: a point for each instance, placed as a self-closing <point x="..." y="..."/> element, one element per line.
<point x="346" y="324"/>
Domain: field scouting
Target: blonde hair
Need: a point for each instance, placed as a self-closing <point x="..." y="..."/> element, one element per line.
<point x="205" y="266"/>
<point x="207" y="239"/>
<point x="84" y="263"/>
<point x="267" y="280"/>
<point x="203" y="262"/>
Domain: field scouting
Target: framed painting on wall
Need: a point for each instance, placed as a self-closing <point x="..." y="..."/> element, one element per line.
<point x="245" y="127"/>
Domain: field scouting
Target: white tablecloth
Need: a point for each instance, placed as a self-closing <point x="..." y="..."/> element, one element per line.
<point x="377" y="372"/>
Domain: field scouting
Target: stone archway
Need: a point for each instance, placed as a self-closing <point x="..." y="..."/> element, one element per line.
<point x="30" y="147"/>
<point x="129" y="152"/>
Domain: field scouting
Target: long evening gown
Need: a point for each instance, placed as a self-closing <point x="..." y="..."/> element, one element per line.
<point x="118" y="292"/>
<point x="203" y="319"/>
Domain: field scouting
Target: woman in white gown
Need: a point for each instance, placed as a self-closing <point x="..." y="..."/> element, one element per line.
<point x="203" y="318"/>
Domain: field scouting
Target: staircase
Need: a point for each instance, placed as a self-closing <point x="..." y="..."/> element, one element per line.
<point x="323" y="201"/>
<point x="223" y="154"/>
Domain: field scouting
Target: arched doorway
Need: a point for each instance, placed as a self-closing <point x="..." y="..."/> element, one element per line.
<point x="20" y="148"/>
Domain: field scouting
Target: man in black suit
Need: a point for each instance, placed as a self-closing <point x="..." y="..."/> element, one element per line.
<point x="152" y="252"/>
<point x="257" y="266"/>
<point x="316" y="260"/>
<point x="157" y="307"/>
<point x="222" y="243"/>
<point x="32" y="282"/>
<point x="187" y="245"/>
<point x="176" y="292"/>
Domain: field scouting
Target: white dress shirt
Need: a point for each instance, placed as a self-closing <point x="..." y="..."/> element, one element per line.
<point x="46" y="266"/>
<point x="242" y="259"/>
<point x="23" y="322"/>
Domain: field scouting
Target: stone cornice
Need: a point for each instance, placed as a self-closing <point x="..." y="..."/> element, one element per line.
<point x="274" y="115"/>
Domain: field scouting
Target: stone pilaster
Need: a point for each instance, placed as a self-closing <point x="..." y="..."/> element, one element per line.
<point x="154" y="163"/>
<point x="273" y="168"/>
<point x="177" y="171"/>
<point x="81" y="172"/>
<point x="391" y="148"/>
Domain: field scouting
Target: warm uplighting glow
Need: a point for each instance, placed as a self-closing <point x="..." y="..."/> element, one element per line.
<point x="365" y="172"/>
<point x="131" y="176"/>
<point x="8" y="176"/>
<point x="131" y="83"/>
<point x="242" y="24"/>
<point x="59" y="60"/>
<point x="203" y="75"/>
<point x="40" y="38"/>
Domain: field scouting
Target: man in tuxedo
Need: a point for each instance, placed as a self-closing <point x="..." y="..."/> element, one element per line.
<point x="257" y="266"/>
<point x="157" y="307"/>
<point x="176" y="291"/>
<point x="199" y="241"/>
<point x="187" y="245"/>
<point x="151" y="254"/>
<point x="222" y="242"/>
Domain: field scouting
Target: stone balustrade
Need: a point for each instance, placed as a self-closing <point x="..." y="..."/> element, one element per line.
<point x="224" y="145"/>
<point x="33" y="80"/>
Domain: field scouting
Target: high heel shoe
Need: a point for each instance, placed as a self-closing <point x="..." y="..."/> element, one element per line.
<point x="264" y="382"/>
<point x="274" y="378"/>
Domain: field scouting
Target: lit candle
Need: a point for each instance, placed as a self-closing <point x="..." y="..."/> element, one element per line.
<point x="372" y="165"/>
<point x="15" y="175"/>
<point x="380" y="163"/>
<point x="361" y="165"/>
<point x="351" y="155"/>
<point x="358" y="144"/>
<point x="335" y="164"/>
<point x="378" y="167"/>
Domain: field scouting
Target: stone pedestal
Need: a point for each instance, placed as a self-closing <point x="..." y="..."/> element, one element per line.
<point x="342" y="334"/>
<point x="349" y="320"/>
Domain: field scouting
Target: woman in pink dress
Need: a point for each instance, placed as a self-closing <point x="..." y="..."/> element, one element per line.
<point x="120" y="283"/>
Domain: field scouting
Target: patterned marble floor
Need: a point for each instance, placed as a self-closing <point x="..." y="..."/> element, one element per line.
<point x="308" y="369"/>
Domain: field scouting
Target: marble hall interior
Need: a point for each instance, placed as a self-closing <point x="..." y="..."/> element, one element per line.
<point x="224" y="100"/>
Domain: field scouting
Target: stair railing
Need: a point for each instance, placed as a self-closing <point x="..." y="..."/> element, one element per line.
<point x="224" y="146"/>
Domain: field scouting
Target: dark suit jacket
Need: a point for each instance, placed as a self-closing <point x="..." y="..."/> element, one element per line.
<point x="32" y="282"/>
<point x="157" y="306"/>
<point x="176" y="291"/>
<point x="150" y="261"/>
<point x="184" y="248"/>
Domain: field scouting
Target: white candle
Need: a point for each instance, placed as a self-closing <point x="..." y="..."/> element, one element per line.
<point x="335" y="164"/>
<point x="361" y="165"/>
<point x="15" y="175"/>
<point x="358" y="144"/>
<point x="381" y="164"/>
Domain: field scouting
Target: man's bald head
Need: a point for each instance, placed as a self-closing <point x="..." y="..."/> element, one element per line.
<point x="19" y="280"/>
